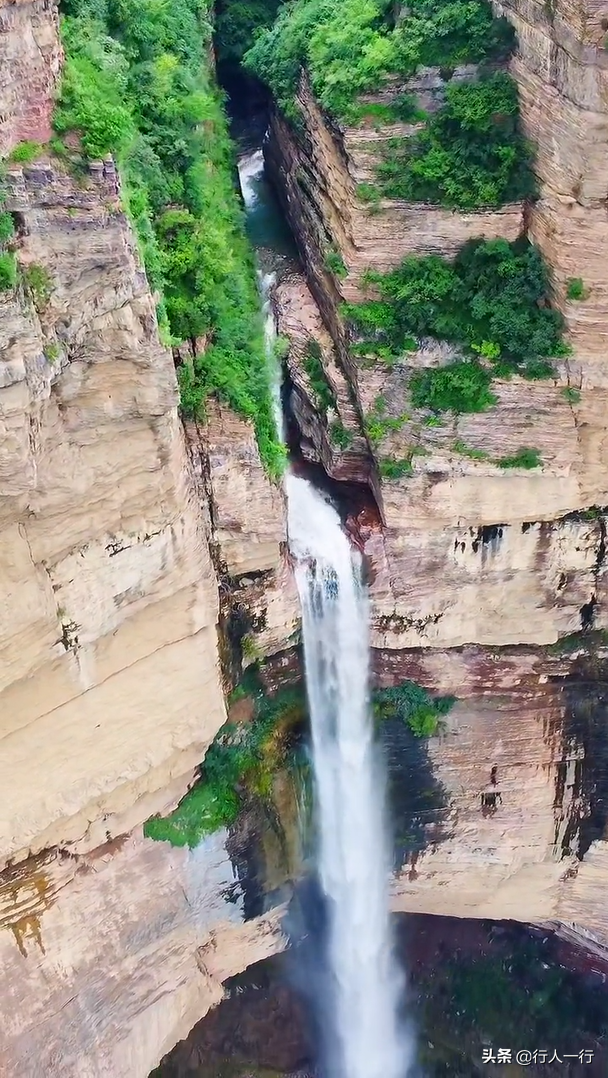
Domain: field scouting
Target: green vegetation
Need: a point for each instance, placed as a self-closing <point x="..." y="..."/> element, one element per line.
<point x="470" y="154"/>
<point x="24" y="152"/>
<point x="137" y="84"/>
<point x="241" y="761"/>
<point x="491" y="301"/>
<point x="378" y="423"/>
<point x="313" y="366"/>
<point x="369" y="194"/>
<point x="402" y="109"/>
<point x="339" y="435"/>
<point x="8" y="262"/>
<point x="7" y="227"/>
<point x="395" y="467"/>
<point x="571" y="394"/>
<point x="575" y="288"/>
<point x="39" y="282"/>
<point x="468" y="451"/>
<point x="51" y="351"/>
<point x="237" y="23"/>
<point x="8" y="270"/>
<point x="590" y="640"/>
<point x="350" y="46"/>
<point x="335" y="263"/>
<point x="526" y="457"/>
<point x="462" y="386"/>
<point x="412" y="704"/>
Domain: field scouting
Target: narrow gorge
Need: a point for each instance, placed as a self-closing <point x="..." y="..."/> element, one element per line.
<point x="422" y="205"/>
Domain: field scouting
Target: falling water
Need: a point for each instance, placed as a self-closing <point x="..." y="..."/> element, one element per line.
<point x="354" y="862"/>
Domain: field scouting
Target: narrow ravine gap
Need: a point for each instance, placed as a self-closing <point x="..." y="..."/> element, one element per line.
<point x="359" y="999"/>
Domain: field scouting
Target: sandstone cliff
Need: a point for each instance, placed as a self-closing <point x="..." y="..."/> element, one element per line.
<point x="113" y="529"/>
<point x="475" y="565"/>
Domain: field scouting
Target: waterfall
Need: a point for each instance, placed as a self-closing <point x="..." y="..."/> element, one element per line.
<point x="354" y="859"/>
<point x="354" y="862"/>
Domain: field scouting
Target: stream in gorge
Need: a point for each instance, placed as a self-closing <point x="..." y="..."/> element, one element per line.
<point x="359" y="1005"/>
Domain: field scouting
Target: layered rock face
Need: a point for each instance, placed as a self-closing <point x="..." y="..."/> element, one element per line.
<point x="110" y="601"/>
<point x="562" y="71"/>
<point x="113" y="528"/>
<point x="475" y="565"/>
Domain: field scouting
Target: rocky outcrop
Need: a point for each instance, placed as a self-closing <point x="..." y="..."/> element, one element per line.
<point x="143" y="933"/>
<point x="520" y="773"/>
<point x="470" y="560"/>
<point x="110" y="685"/>
<point x="320" y="426"/>
<point x="248" y="530"/>
<point x="561" y="68"/>
<point x="30" y="55"/>
<point x="115" y="546"/>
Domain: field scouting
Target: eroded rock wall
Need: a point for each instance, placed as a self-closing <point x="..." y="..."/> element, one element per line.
<point x="117" y="953"/>
<point x="476" y="570"/>
<point x="116" y="535"/>
<point x="110" y="683"/>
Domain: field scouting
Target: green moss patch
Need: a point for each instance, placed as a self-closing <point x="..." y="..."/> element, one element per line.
<point x="240" y="762"/>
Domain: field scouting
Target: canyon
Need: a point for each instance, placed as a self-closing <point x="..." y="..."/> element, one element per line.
<point x="138" y="551"/>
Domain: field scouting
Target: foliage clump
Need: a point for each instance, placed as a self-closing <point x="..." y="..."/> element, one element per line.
<point x="470" y="153"/>
<point x="575" y="289"/>
<point x="39" y="281"/>
<point x="492" y="302"/>
<point x="335" y="263"/>
<point x="526" y="457"/>
<point x="339" y="435"/>
<point x="24" y="152"/>
<point x="462" y="386"/>
<point x="470" y="451"/>
<point x="349" y="47"/>
<point x="7" y="227"/>
<point x="241" y="761"/>
<point x="237" y="23"/>
<point x="395" y="467"/>
<point x="137" y="84"/>
<point x="313" y="365"/>
<point x="378" y="423"/>
<point x="412" y="704"/>
<point x="8" y="261"/>
<point x="8" y="271"/>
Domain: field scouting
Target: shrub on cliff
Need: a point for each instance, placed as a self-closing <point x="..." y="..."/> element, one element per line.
<point x="463" y="386"/>
<point x="470" y="154"/>
<point x="350" y="46"/>
<point x="492" y="301"/>
<point x="8" y="271"/>
<point x="412" y="704"/>
<point x="242" y="759"/>
<point x="137" y="84"/>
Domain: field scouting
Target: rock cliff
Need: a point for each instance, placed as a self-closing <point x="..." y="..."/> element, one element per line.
<point x="474" y="565"/>
<point x="121" y="544"/>
<point x="143" y="563"/>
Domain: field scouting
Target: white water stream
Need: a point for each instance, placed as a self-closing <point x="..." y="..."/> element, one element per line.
<point x="354" y="863"/>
